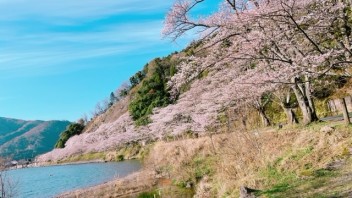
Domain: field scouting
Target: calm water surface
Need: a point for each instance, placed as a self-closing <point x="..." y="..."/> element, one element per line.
<point x="46" y="182"/>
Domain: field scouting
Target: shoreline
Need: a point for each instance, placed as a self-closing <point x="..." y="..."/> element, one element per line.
<point x="130" y="185"/>
<point x="41" y="164"/>
<point x="70" y="163"/>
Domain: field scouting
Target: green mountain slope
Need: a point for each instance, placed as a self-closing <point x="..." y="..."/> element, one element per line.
<point x="21" y="139"/>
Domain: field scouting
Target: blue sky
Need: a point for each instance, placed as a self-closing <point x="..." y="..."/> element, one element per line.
<point x="58" y="58"/>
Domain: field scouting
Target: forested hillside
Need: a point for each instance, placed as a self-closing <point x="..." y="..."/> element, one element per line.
<point x="21" y="139"/>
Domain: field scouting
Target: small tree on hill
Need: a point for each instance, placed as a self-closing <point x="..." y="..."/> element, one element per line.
<point x="123" y="90"/>
<point x="72" y="130"/>
<point x="113" y="99"/>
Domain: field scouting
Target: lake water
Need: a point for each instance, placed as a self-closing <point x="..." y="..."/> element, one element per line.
<point x="46" y="182"/>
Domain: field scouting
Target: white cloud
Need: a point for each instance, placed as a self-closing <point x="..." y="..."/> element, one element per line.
<point x="76" y="9"/>
<point x="51" y="47"/>
<point x="28" y="46"/>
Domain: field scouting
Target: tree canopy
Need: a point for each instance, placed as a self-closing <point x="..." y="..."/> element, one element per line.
<point x="72" y="130"/>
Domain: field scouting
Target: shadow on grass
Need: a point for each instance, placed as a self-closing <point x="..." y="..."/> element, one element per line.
<point x="275" y="189"/>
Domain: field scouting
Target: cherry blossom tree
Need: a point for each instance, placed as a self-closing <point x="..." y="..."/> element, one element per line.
<point x="291" y="41"/>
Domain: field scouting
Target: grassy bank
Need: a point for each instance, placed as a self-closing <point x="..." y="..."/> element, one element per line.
<point x="127" y="152"/>
<point x="296" y="161"/>
<point x="290" y="162"/>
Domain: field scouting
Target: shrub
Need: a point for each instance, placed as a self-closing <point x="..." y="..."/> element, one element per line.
<point x="151" y="194"/>
<point x="72" y="130"/>
<point x="120" y="157"/>
<point x="153" y="91"/>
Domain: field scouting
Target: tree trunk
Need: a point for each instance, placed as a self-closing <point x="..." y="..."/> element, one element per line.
<point x="259" y="105"/>
<point x="332" y="107"/>
<point x="302" y="102"/>
<point x="309" y="98"/>
<point x="264" y="117"/>
<point x="291" y="116"/>
<point x="346" y="117"/>
<point x="285" y="103"/>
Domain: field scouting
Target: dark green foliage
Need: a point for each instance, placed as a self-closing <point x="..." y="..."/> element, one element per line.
<point x="322" y="92"/>
<point x="113" y="99"/>
<point x="173" y="70"/>
<point x="328" y="86"/>
<point x="276" y="189"/>
<point x="151" y="194"/>
<point x="123" y="93"/>
<point x="120" y="158"/>
<point x="142" y="121"/>
<point x="133" y="81"/>
<point x="137" y="78"/>
<point x="202" y="168"/>
<point x="72" y="130"/>
<point x="153" y="91"/>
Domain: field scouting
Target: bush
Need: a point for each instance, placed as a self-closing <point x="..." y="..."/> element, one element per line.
<point x="120" y="157"/>
<point x="72" y="130"/>
<point x="152" y="194"/>
<point x="153" y="91"/>
<point x="137" y="78"/>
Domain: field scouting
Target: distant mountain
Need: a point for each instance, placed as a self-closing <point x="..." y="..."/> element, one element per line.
<point x="20" y="139"/>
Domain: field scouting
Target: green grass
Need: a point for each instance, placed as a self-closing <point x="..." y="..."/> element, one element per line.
<point x="274" y="176"/>
<point x="193" y="172"/>
<point x="150" y="194"/>
<point x="308" y="182"/>
<point x="202" y="167"/>
<point x="85" y="157"/>
<point x="168" y="191"/>
<point x="131" y="151"/>
<point x="301" y="153"/>
<point x="279" y="188"/>
<point x="290" y="185"/>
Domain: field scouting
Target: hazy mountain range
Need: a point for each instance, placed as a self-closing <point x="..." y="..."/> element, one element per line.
<point x="20" y="139"/>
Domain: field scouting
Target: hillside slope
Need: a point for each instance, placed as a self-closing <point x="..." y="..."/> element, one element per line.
<point x="21" y="139"/>
<point x="204" y="104"/>
<point x="192" y="112"/>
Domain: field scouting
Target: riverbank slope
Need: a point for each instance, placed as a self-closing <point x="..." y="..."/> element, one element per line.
<point x="312" y="161"/>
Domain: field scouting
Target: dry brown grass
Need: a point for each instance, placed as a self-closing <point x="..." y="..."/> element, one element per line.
<point x="112" y="114"/>
<point x="242" y="158"/>
<point x="216" y="166"/>
<point x="130" y="186"/>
